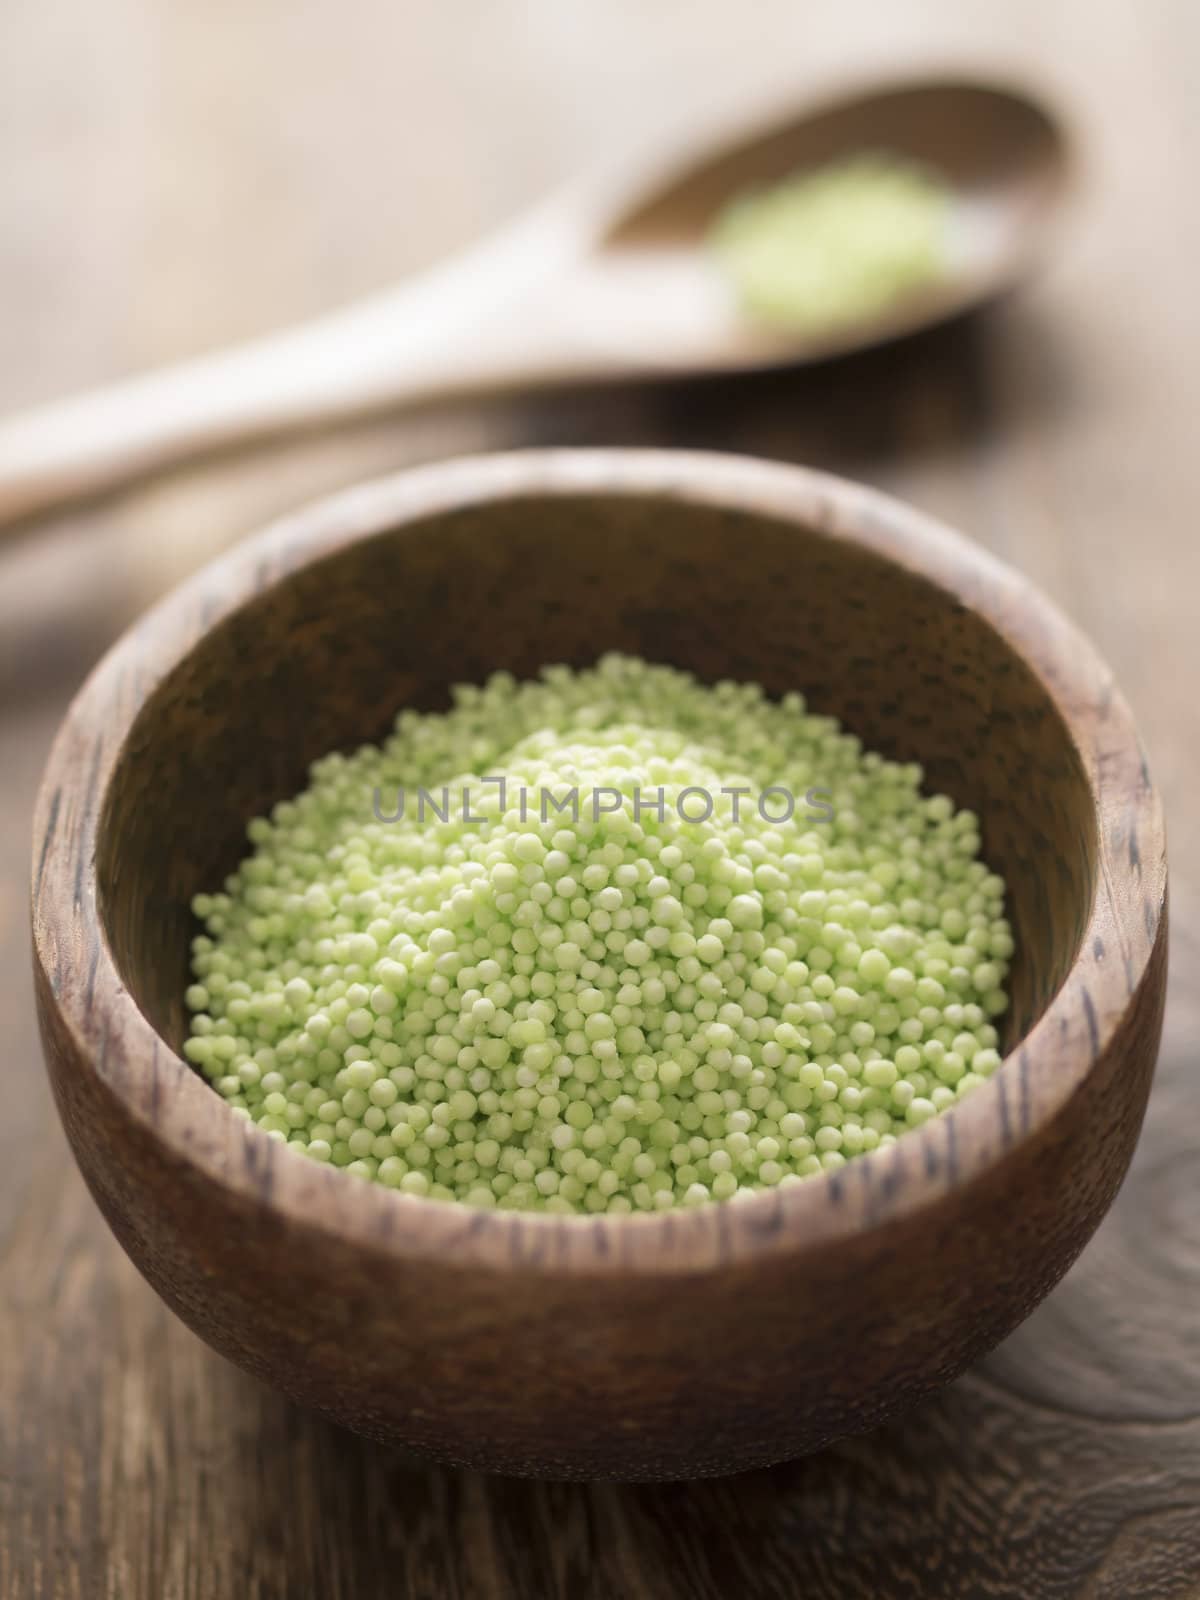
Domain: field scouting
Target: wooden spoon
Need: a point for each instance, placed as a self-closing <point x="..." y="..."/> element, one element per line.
<point x="610" y="278"/>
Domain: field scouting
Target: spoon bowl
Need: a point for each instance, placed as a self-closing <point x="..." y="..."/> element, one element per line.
<point x="612" y="278"/>
<point x="1003" y="156"/>
<point x="665" y="1345"/>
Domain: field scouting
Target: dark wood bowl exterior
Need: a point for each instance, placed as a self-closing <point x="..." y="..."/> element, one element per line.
<point x="677" y="1345"/>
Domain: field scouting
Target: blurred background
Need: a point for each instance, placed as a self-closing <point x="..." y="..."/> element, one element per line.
<point x="176" y="177"/>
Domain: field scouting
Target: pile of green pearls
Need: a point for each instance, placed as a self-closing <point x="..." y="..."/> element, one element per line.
<point x="601" y="1012"/>
<point x="831" y="246"/>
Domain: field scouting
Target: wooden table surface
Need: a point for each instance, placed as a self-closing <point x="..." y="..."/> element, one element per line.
<point x="174" y="176"/>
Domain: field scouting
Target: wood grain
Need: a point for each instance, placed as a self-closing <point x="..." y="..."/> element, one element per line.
<point x="134" y="1464"/>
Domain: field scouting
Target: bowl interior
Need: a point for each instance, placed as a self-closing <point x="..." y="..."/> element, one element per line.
<point x="324" y="657"/>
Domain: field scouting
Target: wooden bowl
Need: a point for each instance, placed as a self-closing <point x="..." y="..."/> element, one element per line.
<point x="671" y="1345"/>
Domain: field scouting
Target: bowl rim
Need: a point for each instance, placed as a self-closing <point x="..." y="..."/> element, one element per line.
<point x="129" y="1061"/>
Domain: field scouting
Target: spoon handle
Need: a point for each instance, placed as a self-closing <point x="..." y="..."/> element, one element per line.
<point x="471" y="324"/>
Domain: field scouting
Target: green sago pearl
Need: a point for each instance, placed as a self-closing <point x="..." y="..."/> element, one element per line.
<point x="640" y="1008"/>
